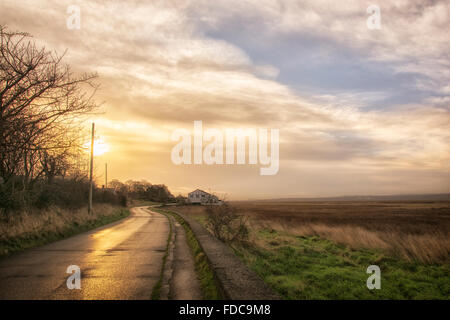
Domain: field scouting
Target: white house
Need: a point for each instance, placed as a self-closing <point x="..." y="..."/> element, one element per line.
<point x="202" y="197"/>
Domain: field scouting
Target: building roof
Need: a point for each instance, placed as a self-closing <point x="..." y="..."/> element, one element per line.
<point x="199" y="190"/>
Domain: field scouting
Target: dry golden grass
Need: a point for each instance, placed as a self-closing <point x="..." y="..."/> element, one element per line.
<point x="410" y="230"/>
<point x="52" y="220"/>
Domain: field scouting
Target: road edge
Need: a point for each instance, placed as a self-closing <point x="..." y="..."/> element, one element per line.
<point x="160" y="289"/>
<point x="20" y="244"/>
<point x="235" y="280"/>
<point x="210" y="286"/>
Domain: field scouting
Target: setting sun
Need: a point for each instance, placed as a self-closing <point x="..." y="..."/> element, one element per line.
<point x="100" y="147"/>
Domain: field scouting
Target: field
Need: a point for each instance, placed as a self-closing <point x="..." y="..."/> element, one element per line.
<point x="321" y="250"/>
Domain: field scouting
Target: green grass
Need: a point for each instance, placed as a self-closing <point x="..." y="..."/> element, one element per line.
<point x="12" y="245"/>
<point x="314" y="268"/>
<point x="204" y="272"/>
<point x="142" y="203"/>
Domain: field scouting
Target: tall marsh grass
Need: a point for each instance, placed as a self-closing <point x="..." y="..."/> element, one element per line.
<point x="413" y="231"/>
<point x="426" y="248"/>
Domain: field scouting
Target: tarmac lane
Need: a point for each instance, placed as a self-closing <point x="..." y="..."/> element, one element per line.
<point x="121" y="260"/>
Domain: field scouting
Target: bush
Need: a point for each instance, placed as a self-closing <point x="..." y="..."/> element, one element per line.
<point x="111" y="197"/>
<point x="226" y="224"/>
<point x="64" y="193"/>
<point x="67" y="193"/>
<point x="9" y="201"/>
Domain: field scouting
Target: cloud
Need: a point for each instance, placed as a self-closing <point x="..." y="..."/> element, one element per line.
<point x="164" y="64"/>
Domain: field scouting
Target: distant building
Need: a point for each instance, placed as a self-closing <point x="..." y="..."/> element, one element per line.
<point x="202" y="197"/>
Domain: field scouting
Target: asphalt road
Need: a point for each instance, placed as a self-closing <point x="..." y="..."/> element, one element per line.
<point x="118" y="261"/>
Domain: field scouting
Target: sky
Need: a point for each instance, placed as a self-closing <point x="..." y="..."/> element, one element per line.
<point x="360" y="111"/>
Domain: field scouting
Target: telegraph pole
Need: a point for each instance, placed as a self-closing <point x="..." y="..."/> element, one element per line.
<point x="91" y="167"/>
<point x="106" y="175"/>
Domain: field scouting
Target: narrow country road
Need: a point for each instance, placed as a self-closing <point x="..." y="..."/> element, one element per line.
<point x="122" y="260"/>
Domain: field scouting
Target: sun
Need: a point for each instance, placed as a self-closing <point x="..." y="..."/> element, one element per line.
<point x="100" y="147"/>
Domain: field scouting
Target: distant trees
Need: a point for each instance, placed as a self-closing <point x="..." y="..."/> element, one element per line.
<point x="41" y="104"/>
<point x="180" y="199"/>
<point x="143" y="190"/>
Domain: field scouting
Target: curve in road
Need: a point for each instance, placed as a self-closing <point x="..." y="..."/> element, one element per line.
<point x="119" y="261"/>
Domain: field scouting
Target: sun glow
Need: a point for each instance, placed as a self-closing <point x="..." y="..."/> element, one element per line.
<point x="100" y="147"/>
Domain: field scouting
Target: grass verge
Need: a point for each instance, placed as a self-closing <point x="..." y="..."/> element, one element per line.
<point x="156" y="292"/>
<point x="142" y="203"/>
<point x="42" y="235"/>
<point x="309" y="267"/>
<point x="204" y="272"/>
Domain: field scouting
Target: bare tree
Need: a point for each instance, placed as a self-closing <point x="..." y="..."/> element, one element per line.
<point x="41" y="103"/>
<point x="226" y="224"/>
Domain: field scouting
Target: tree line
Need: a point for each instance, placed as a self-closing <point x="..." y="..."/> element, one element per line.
<point x="42" y="107"/>
<point x="143" y="190"/>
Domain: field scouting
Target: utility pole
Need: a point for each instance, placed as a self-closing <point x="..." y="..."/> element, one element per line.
<point x="91" y="167"/>
<point x="106" y="175"/>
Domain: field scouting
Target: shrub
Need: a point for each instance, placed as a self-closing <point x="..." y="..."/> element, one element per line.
<point x="65" y="193"/>
<point x="226" y="224"/>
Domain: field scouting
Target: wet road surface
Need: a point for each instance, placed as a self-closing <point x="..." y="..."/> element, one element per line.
<point x="118" y="261"/>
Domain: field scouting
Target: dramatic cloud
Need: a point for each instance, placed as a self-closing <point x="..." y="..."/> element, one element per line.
<point x="359" y="110"/>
